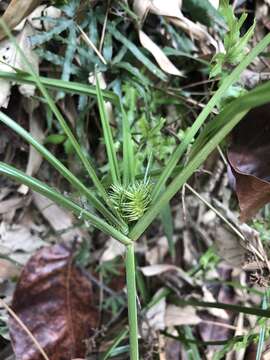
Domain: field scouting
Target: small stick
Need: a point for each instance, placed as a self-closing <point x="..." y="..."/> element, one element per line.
<point x="92" y="45"/>
<point x="28" y="332"/>
<point x="104" y="27"/>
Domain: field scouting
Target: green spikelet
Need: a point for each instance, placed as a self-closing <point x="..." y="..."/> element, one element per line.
<point x="133" y="201"/>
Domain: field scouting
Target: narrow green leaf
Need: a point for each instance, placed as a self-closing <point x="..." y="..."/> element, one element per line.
<point x="90" y="170"/>
<point x="226" y="120"/>
<point x="107" y="134"/>
<point x="236" y="308"/>
<point x="167" y="222"/>
<point x="73" y="180"/>
<point x="134" y="71"/>
<point x="136" y="52"/>
<point x="56" y="84"/>
<point x="69" y="55"/>
<point x="231" y="79"/>
<point x="115" y="343"/>
<point x="128" y="150"/>
<point x="265" y="304"/>
<point x="63" y="201"/>
<point x="193" y="351"/>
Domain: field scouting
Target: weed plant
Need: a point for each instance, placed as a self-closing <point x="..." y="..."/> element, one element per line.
<point x="133" y="191"/>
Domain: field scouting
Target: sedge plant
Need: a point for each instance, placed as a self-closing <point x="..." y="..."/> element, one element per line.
<point x="126" y="208"/>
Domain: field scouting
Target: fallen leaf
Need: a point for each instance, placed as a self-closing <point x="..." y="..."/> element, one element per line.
<point x="60" y="220"/>
<point x="158" y="251"/>
<point x="11" y="60"/>
<point x="113" y="248"/>
<point x="176" y="315"/>
<point x="158" y="269"/>
<point x="195" y="30"/>
<point x="158" y="7"/>
<point x="155" y="316"/>
<point x="172" y="10"/>
<point x="11" y="204"/>
<point x="54" y="300"/>
<point x="247" y="253"/>
<point x="166" y="8"/>
<point x="162" y="60"/>
<point x="23" y="41"/>
<point x="249" y="160"/>
<point x="49" y="12"/>
<point x="17" y="10"/>
<point x="208" y="297"/>
<point x="229" y="247"/>
<point x="19" y="241"/>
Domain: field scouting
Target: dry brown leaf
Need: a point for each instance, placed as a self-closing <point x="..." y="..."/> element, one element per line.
<point x="208" y="297"/>
<point x="154" y="270"/>
<point x="155" y="316"/>
<point x="11" y="204"/>
<point x="176" y="315"/>
<point x="162" y="60"/>
<point x="159" y="7"/>
<point x="229" y="247"/>
<point x="19" y="241"/>
<point x="23" y="41"/>
<point x="53" y="299"/>
<point x="157" y="253"/>
<point x="60" y="220"/>
<point x="113" y="248"/>
<point x="158" y="269"/>
<point x="16" y="12"/>
<point x="172" y="10"/>
<point x="247" y="253"/>
<point x="11" y="59"/>
<point x="249" y="158"/>
<point x="195" y="30"/>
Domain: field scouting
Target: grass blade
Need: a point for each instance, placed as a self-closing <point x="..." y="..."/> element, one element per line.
<point x="116" y="342"/>
<point x="63" y="201"/>
<point x="235" y="308"/>
<point x="128" y="150"/>
<point x="193" y="351"/>
<point x="265" y="303"/>
<point x="167" y="222"/>
<point x="90" y="170"/>
<point x="57" y="84"/>
<point x="231" y="79"/>
<point x="73" y="180"/>
<point x="108" y="138"/>
<point x="226" y="121"/>
<point x="137" y="52"/>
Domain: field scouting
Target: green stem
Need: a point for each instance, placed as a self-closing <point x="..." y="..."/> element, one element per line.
<point x="63" y="201"/>
<point x="218" y="129"/>
<point x="132" y="302"/>
<point x="229" y="80"/>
